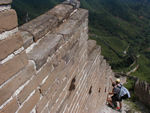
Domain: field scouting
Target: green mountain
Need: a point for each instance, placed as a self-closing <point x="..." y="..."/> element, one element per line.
<point x="121" y="27"/>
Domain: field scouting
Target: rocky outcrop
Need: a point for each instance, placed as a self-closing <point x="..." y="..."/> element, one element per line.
<point x="142" y="91"/>
<point x="49" y="65"/>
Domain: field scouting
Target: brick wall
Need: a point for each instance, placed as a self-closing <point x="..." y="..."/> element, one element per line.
<point x="49" y="65"/>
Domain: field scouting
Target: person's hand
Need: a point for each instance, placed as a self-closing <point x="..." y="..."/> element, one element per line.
<point x="111" y="79"/>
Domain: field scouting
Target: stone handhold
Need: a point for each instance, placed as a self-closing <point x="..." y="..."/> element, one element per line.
<point x="8" y="20"/>
<point x="4" y="2"/>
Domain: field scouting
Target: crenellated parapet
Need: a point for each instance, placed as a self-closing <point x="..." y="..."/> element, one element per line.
<point x="49" y="65"/>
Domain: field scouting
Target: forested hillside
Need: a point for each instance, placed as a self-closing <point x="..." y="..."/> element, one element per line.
<point x="121" y="27"/>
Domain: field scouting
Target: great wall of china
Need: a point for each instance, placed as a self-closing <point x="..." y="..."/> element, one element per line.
<point x="48" y="65"/>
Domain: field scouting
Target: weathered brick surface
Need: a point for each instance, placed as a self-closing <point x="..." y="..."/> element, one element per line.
<point x="29" y="104"/>
<point x="8" y="20"/>
<point x="41" y="104"/>
<point x="45" y="71"/>
<point x="24" y="75"/>
<point x="91" y="45"/>
<point x="11" y="107"/>
<point x="48" y="21"/>
<point x="34" y="82"/>
<point x="45" y="110"/>
<point x="26" y="91"/>
<point x="46" y="47"/>
<point x="61" y="11"/>
<point x="69" y="69"/>
<point x="27" y="39"/>
<point x="52" y="77"/>
<point x="10" y="45"/>
<point x="10" y="68"/>
<point x="4" y="2"/>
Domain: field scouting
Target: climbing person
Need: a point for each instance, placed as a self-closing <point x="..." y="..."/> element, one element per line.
<point x="120" y="94"/>
<point x="74" y="3"/>
<point x="123" y="94"/>
<point x="112" y="102"/>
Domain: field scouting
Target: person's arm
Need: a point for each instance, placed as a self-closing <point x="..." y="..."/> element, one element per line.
<point x="111" y="80"/>
<point x="111" y="93"/>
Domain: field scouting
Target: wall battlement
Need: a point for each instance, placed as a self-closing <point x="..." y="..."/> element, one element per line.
<point x="49" y="65"/>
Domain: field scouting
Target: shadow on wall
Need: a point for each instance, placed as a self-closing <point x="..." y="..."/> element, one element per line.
<point x="72" y="85"/>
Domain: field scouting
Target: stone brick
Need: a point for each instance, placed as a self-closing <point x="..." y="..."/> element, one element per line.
<point x="48" y="21"/>
<point x="81" y="15"/>
<point x="91" y="45"/>
<point x="52" y="77"/>
<point x="7" y="90"/>
<point x="45" y="110"/>
<point x="10" y="45"/>
<point x="46" y="47"/>
<point x="10" y="68"/>
<point x="41" y="104"/>
<point x="40" y="26"/>
<point x="4" y="2"/>
<point x="27" y="38"/>
<point x="57" y="105"/>
<point x="61" y="88"/>
<point x="58" y="86"/>
<point x="29" y="105"/>
<point x="73" y="23"/>
<point x="26" y="91"/>
<point x="61" y="11"/>
<point x="11" y="107"/>
<point x="8" y="20"/>
<point x="45" y="71"/>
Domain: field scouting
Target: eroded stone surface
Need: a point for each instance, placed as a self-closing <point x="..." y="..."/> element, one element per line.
<point x="91" y="45"/>
<point x="27" y="39"/>
<point x="46" y="47"/>
<point x="48" y="21"/>
<point x="13" y="66"/>
<point x="8" y="20"/>
<point x="68" y="78"/>
<point x="9" y="45"/>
